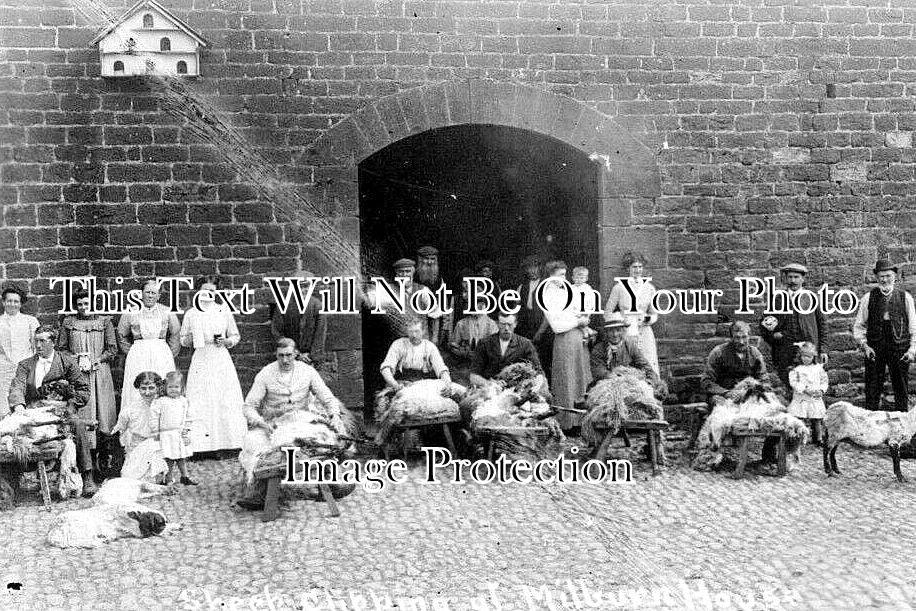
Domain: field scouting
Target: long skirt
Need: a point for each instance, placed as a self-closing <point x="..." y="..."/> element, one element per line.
<point x="7" y="373"/>
<point x="571" y="374"/>
<point x="145" y="461"/>
<point x="215" y="395"/>
<point x="647" y="346"/>
<point x="101" y="404"/>
<point x="145" y="355"/>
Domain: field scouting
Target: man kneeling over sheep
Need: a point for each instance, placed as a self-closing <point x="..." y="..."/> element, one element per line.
<point x="728" y="364"/>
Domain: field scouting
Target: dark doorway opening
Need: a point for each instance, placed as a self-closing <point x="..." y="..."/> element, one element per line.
<point x="475" y="192"/>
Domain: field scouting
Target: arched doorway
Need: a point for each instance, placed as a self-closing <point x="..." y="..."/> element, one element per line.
<point x="626" y="170"/>
<point x="479" y="192"/>
<point x="475" y="192"/>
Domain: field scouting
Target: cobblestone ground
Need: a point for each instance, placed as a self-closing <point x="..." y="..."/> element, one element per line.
<point x="692" y="540"/>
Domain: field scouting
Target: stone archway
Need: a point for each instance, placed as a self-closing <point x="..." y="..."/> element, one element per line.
<point x="628" y="169"/>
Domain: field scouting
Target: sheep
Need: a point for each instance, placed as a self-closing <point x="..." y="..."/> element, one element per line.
<point x="867" y="429"/>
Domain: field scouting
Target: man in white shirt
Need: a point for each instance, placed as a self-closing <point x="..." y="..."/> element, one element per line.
<point x="885" y="328"/>
<point x="413" y="358"/>
<point x="48" y="365"/>
<point x="281" y="389"/>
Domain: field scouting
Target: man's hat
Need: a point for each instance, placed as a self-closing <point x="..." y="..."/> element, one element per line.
<point x="427" y="251"/>
<point x="794" y="267"/>
<point x="404" y="264"/>
<point x="614" y="319"/>
<point x="883" y="265"/>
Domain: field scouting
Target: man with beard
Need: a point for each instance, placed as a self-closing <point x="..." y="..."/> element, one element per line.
<point x="783" y="331"/>
<point x="885" y="328"/>
<point x="428" y="275"/>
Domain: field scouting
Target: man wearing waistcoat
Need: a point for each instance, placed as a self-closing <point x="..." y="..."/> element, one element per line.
<point x="885" y="328"/>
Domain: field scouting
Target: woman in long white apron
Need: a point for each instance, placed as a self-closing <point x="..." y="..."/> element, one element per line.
<point x="213" y="388"/>
<point x="149" y="337"/>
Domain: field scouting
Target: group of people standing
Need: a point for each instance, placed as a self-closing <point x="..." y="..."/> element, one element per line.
<point x="81" y="350"/>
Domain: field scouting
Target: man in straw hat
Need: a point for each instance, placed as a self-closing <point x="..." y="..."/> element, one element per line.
<point x="617" y="349"/>
<point x="885" y="328"/>
<point x="783" y="331"/>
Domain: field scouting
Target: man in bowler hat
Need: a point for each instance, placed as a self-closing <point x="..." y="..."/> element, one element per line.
<point x="885" y="328"/>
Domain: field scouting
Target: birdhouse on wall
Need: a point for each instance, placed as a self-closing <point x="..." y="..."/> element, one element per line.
<point x="148" y="39"/>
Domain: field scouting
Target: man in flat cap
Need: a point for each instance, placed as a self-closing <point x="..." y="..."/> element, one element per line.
<point x="783" y="331"/>
<point x="429" y="275"/>
<point x="885" y="328"/>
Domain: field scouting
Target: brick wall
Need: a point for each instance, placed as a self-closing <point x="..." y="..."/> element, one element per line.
<point x="780" y="131"/>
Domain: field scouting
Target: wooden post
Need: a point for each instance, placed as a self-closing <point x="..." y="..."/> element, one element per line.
<point x="742" y="457"/>
<point x="781" y="456"/>
<point x="272" y="500"/>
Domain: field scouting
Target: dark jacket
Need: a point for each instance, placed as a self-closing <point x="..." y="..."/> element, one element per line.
<point x="628" y="355"/>
<point x="488" y="361"/>
<point x="795" y="327"/>
<point x="63" y="367"/>
<point x="724" y="368"/>
<point x="309" y="329"/>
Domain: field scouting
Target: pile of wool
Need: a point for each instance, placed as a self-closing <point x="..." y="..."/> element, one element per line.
<point x="750" y="405"/>
<point x="41" y="421"/>
<point x="417" y="402"/>
<point x="495" y="405"/>
<point x="624" y="395"/>
<point x="69" y="480"/>
<point x="312" y="432"/>
<point x="526" y="381"/>
<point x="16" y="448"/>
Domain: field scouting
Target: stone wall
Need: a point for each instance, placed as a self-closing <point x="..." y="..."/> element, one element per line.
<point x="766" y="131"/>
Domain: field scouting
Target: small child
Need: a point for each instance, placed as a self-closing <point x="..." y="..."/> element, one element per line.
<point x="809" y="383"/>
<point x="581" y="287"/>
<point x="170" y="416"/>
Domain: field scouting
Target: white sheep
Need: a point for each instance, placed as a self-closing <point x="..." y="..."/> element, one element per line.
<point x="868" y="429"/>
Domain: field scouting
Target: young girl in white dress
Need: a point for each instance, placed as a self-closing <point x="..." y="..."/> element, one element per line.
<point x="170" y="414"/>
<point x="809" y="383"/>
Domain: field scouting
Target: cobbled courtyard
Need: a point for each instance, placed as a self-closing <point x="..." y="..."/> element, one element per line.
<point x="680" y="540"/>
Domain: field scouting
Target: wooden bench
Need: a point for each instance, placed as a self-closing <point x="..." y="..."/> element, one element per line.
<point x="41" y="460"/>
<point x="696" y="414"/>
<point x="744" y="437"/>
<point x="652" y="428"/>
<point x="488" y="435"/>
<point x="444" y="422"/>
<point x="275" y="472"/>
